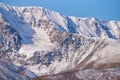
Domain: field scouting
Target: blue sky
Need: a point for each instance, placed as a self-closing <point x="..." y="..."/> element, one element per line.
<point x="102" y="9"/>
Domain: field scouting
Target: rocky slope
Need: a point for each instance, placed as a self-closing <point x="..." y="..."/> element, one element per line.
<point x="88" y="74"/>
<point x="9" y="71"/>
<point x="46" y="42"/>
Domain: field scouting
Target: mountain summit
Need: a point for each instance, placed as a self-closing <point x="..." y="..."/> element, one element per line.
<point x="39" y="42"/>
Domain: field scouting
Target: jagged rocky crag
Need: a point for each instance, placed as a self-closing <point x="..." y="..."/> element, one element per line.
<point x="45" y="42"/>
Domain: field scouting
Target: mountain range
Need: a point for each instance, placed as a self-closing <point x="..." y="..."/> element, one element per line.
<point x="35" y="41"/>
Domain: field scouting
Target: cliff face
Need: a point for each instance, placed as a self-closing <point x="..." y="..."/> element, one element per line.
<point x="46" y="42"/>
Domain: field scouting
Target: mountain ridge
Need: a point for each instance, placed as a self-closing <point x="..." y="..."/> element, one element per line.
<point x="46" y="42"/>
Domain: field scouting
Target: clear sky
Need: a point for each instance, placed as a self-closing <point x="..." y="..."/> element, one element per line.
<point x="102" y="9"/>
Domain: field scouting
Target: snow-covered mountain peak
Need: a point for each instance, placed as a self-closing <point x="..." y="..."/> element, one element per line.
<point x="47" y="42"/>
<point x="89" y="27"/>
